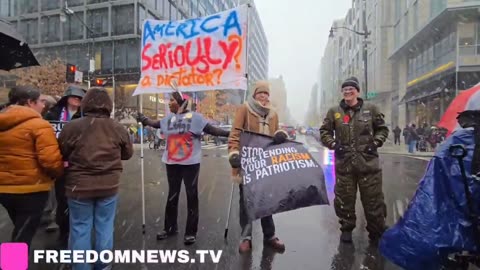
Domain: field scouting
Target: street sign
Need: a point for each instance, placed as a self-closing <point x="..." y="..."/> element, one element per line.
<point x="372" y="95"/>
<point x="78" y="76"/>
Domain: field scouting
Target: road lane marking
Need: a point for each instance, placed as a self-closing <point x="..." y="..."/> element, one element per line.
<point x="400" y="207"/>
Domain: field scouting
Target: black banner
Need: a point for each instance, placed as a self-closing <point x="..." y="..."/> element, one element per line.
<point x="57" y="127"/>
<point x="278" y="178"/>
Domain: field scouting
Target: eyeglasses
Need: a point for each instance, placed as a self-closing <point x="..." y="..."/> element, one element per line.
<point x="348" y="89"/>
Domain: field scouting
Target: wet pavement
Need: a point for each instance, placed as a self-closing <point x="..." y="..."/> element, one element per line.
<point x="311" y="235"/>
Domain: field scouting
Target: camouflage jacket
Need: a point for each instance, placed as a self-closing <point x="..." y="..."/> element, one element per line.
<point x="354" y="129"/>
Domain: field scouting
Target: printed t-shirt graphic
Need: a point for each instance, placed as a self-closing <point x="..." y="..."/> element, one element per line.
<point x="182" y="133"/>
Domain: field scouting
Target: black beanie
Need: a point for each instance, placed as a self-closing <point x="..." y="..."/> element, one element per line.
<point x="178" y="97"/>
<point x="353" y="82"/>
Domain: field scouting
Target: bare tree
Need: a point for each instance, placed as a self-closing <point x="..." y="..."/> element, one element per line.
<point x="49" y="77"/>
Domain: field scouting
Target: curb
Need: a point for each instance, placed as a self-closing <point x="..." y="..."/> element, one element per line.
<point x="406" y="154"/>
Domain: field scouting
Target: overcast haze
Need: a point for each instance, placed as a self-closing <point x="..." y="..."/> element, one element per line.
<point x="297" y="32"/>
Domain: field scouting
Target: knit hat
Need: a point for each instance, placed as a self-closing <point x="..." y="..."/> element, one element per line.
<point x="261" y="87"/>
<point x="353" y="82"/>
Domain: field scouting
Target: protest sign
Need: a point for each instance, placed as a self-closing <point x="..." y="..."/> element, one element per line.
<point x="207" y="53"/>
<point x="57" y="127"/>
<point x="278" y="178"/>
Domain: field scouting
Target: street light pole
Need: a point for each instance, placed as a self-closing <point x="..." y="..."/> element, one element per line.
<point x="365" y="47"/>
<point x="365" y="35"/>
<point x="64" y="11"/>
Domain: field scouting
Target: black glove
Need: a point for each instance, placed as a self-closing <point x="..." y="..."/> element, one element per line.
<point x="142" y="118"/>
<point x="279" y="137"/>
<point x="339" y="150"/>
<point x="371" y="149"/>
<point x="235" y="161"/>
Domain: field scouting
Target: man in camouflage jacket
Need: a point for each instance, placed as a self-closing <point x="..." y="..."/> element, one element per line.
<point x="355" y="130"/>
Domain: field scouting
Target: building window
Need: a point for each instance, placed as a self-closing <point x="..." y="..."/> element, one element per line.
<point x="151" y="3"/>
<point x="142" y="16"/>
<point x="106" y="56"/>
<point x="96" y="1"/>
<point x="122" y="20"/>
<point x="29" y="29"/>
<point x="173" y="13"/>
<point x="75" y="3"/>
<point x="7" y="8"/>
<point x="50" y="29"/>
<point x="73" y="28"/>
<point x="127" y="54"/>
<point x="26" y="6"/>
<point x="49" y="4"/>
<point x="467" y="39"/>
<point x="78" y="55"/>
<point x="437" y="6"/>
<point x="98" y="22"/>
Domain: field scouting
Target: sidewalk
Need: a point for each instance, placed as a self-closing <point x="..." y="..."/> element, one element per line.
<point x="389" y="148"/>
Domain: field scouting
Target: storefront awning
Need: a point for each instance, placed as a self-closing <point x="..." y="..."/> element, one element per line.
<point x="417" y="94"/>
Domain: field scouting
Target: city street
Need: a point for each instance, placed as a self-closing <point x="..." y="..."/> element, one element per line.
<point x="311" y="235"/>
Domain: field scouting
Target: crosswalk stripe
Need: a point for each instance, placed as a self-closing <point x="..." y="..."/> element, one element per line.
<point x="212" y="146"/>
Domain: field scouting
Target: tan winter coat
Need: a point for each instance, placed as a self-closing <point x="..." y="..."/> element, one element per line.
<point x="247" y="119"/>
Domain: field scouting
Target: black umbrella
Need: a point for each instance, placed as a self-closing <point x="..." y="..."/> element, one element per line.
<point x="14" y="51"/>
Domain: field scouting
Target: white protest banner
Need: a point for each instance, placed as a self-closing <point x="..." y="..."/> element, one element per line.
<point x="200" y="54"/>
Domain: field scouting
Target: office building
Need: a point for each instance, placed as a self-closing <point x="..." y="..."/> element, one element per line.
<point x="331" y="75"/>
<point x="344" y="55"/>
<point x="436" y="55"/>
<point x="278" y="98"/>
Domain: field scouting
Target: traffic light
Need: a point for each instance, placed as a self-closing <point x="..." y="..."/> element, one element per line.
<point x="70" y="78"/>
<point x="100" y="82"/>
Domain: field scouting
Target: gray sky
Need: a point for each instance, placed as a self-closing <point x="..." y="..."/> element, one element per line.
<point x="297" y="32"/>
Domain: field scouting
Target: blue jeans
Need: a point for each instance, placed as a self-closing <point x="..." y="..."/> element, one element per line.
<point x="86" y="214"/>
<point x="412" y="146"/>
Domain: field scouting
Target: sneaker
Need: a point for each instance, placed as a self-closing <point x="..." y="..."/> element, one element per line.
<point x="189" y="240"/>
<point x="245" y="246"/>
<point x="346" y="237"/>
<point x="164" y="235"/>
<point x="275" y="244"/>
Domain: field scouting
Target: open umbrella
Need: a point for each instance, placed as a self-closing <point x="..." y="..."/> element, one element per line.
<point x="14" y="51"/>
<point x="467" y="100"/>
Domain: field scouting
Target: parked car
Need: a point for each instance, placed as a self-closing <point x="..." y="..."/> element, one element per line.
<point x="222" y="140"/>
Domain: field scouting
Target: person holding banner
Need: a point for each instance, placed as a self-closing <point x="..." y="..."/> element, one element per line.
<point x="355" y="129"/>
<point x="30" y="161"/>
<point x="182" y="130"/>
<point x="65" y="110"/>
<point x="256" y="115"/>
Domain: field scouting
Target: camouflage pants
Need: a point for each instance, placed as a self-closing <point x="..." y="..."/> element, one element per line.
<point x="371" y="195"/>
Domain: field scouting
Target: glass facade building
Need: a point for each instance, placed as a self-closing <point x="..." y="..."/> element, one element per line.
<point x="435" y="55"/>
<point x="111" y="36"/>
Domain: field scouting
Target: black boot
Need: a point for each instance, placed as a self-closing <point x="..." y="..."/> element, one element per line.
<point x="189" y="240"/>
<point x="164" y="235"/>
